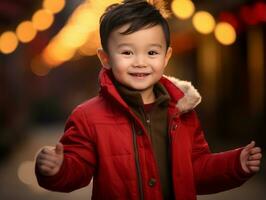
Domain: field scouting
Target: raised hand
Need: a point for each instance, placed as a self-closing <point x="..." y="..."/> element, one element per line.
<point x="50" y="159"/>
<point x="250" y="158"/>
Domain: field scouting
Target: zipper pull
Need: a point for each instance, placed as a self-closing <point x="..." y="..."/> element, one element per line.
<point x="148" y="118"/>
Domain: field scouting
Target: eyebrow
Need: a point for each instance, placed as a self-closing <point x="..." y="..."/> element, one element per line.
<point x="130" y="44"/>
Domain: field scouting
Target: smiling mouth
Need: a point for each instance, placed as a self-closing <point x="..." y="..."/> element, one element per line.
<point x="139" y="74"/>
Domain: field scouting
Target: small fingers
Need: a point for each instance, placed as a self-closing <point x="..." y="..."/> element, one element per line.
<point x="256" y="156"/>
<point x="50" y="161"/>
<point x="48" y="150"/>
<point x="47" y="157"/>
<point x="45" y="170"/>
<point x="255" y="150"/>
<point x="254" y="168"/>
<point x="250" y="145"/>
<point x="47" y="163"/>
<point x="253" y="163"/>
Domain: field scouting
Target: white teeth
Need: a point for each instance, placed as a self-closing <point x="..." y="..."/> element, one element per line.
<point x="139" y="74"/>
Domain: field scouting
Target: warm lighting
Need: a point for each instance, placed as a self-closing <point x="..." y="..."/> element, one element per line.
<point x="74" y="36"/>
<point x="81" y="16"/>
<point x="26" y="175"/>
<point x="229" y="18"/>
<point x="26" y="172"/>
<point x="42" y="19"/>
<point x="8" y="42"/>
<point x="93" y="43"/>
<point x="225" y="33"/>
<point x="54" y="6"/>
<point x="38" y="67"/>
<point x="203" y="22"/>
<point x="77" y="37"/>
<point x="26" y="32"/>
<point x="55" y="55"/>
<point x="183" y="9"/>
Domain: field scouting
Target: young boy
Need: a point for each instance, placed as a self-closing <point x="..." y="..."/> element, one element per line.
<point x="140" y="137"/>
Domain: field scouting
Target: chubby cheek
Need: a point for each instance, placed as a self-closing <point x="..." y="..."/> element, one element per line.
<point x="158" y="67"/>
<point x="119" y="72"/>
<point x="119" y="65"/>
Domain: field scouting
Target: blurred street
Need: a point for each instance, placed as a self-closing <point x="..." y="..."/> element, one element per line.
<point x="13" y="188"/>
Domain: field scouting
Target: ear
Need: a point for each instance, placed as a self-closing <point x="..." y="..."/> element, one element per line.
<point x="168" y="56"/>
<point x="104" y="58"/>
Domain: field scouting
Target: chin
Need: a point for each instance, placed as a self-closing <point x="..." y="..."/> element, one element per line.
<point x="141" y="88"/>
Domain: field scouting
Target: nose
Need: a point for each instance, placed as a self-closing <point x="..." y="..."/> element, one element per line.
<point x="139" y="61"/>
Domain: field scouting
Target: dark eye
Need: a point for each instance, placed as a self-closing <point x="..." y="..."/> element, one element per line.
<point x="127" y="53"/>
<point x="152" y="53"/>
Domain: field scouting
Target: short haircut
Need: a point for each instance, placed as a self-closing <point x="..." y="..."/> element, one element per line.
<point x="137" y="13"/>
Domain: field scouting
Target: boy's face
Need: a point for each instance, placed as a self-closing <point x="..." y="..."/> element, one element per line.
<point x="138" y="59"/>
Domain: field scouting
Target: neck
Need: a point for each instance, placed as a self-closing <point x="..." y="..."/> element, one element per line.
<point x="148" y="96"/>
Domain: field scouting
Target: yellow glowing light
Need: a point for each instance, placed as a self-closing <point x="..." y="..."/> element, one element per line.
<point x="55" y="55"/>
<point x="73" y="36"/>
<point x="26" y="172"/>
<point x="91" y="46"/>
<point x="81" y="16"/>
<point x="42" y="19"/>
<point x="8" y="42"/>
<point x="54" y="6"/>
<point x="225" y="33"/>
<point x="183" y="9"/>
<point x="203" y="22"/>
<point x="38" y="67"/>
<point x="25" y="31"/>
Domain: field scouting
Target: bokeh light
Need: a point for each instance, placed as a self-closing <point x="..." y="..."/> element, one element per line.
<point x="26" y="172"/>
<point x="229" y="18"/>
<point x="54" y="6"/>
<point x="183" y="9"/>
<point x="90" y="48"/>
<point x="55" y="54"/>
<point x="8" y="42"/>
<point x="225" y="33"/>
<point x="25" y="31"/>
<point x="203" y="22"/>
<point x="42" y="19"/>
<point x="38" y="67"/>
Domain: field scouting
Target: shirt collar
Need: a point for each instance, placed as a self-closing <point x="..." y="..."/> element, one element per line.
<point x="133" y="97"/>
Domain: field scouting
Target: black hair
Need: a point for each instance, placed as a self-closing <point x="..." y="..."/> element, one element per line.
<point x="137" y="13"/>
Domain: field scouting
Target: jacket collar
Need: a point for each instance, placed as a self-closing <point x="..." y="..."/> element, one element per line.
<point x="183" y="95"/>
<point x="189" y="97"/>
<point x="134" y="99"/>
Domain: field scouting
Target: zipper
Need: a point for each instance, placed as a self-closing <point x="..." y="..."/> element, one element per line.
<point x="170" y="127"/>
<point x="147" y="118"/>
<point x="148" y="123"/>
<point x="137" y="163"/>
<point x="171" y="138"/>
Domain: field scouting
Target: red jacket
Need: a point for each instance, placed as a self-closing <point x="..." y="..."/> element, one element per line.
<point x="105" y="140"/>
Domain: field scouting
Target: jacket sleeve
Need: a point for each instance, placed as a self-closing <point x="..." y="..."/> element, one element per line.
<point x="215" y="172"/>
<point x="79" y="157"/>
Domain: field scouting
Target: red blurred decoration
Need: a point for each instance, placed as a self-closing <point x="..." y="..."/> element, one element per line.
<point x="259" y="10"/>
<point x="248" y="15"/>
<point x="231" y="19"/>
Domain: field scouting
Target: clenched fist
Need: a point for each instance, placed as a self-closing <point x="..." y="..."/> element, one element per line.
<point x="250" y="158"/>
<point x="50" y="159"/>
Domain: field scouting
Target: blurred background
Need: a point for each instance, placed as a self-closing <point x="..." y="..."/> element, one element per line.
<point x="48" y="66"/>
